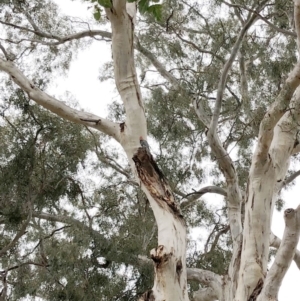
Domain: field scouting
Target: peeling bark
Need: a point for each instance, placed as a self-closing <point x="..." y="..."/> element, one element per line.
<point x="169" y="257"/>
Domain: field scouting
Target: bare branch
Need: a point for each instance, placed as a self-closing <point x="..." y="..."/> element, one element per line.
<point x="281" y="103"/>
<point x="289" y="179"/>
<point x="59" y="39"/>
<point x="217" y="237"/>
<point x="57" y="107"/>
<point x="275" y="243"/>
<point x="201" y="50"/>
<point x="226" y="68"/>
<point x="208" y="278"/>
<point x="192" y="197"/>
<point x="108" y="161"/>
<point x="281" y="30"/>
<point x="205" y="294"/>
<point x="20" y="265"/>
<point x="276" y="111"/>
<point x="201" y="112"/>
<point x="4" y="52"/>
<point x="158" y="65"/>
<point x="284" y="255"/>
<point x="244" y="82"/>
<point x="66" y="220"/>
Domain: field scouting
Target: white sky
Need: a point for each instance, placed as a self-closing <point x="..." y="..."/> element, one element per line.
<point x="82" y="81"/>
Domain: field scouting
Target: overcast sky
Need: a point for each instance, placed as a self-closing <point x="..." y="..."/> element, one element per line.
<point x="82" y="81"/>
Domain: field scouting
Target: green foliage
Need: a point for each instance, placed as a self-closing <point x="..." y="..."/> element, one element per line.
<point x="144" y="7"/>
<point x="88" y="221"/>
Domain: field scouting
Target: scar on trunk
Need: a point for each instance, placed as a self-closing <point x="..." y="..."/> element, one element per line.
<point x="122" y="127"/>
<point x="160" y="256"/>
<point x="179" y="268"/>
<point x="154" y="180"/>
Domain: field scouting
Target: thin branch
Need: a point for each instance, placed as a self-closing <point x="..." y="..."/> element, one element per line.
<point x="284" y="255"/>
<point x="4" y="52"/>
<point x="284" y="31"/>
<point x="217" y="237"/>
<point x="244" y="82"/>
<point x="106" y="160"/>
<point x="226" y="68"/>
<point x="289" y="179"/>
<point x="192" y="197"/>
<point x="57" y="107"/>
<point x="22" y="264"/>
<point x="160" y="68"/>
<point x="281" y="30"/>
<point x="200" y="49"/>
<point x="59" y="39"/>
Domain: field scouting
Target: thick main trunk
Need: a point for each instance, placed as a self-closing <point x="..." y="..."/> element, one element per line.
<point x="170" y="256"/>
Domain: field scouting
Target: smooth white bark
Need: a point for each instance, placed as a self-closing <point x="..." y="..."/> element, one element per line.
<point x="170" y="256"/>
<point x="284" y="256"/>
<point x="205" y="294"/>
<point x="269" y="166"/>
<point x="213" y="282"/>
<point x="275" y="242"/>
<point x="58" y="107"/>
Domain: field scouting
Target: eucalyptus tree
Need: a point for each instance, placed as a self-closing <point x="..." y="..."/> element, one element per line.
<point x="223" y="106"/>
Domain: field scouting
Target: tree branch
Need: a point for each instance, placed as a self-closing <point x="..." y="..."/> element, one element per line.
<point x="59" y="39"/>
<point x="275" y="243"/>
<point x="283" y="256"/>
<point x="289" y="179"/>
<point x="244" y="81"/>
<point x="57" y="107"/>
<point x="276" y="111"/>
<point x="76" y="36"/>
<point x="282" y="101"/>
<point x="284" y="31"/>
<point x="208" y="278"/>
<point x="107" y="160"/>
<point x="4" y="52"/>
<point x="158" y="65"/>
<point x="226" y="68"/>
<point x="200" y="50"/>
<point x="192" y="197"/>
<point x="205" y="294"/>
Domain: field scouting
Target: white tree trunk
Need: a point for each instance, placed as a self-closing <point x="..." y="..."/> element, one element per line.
<point x="170" y="256"/>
